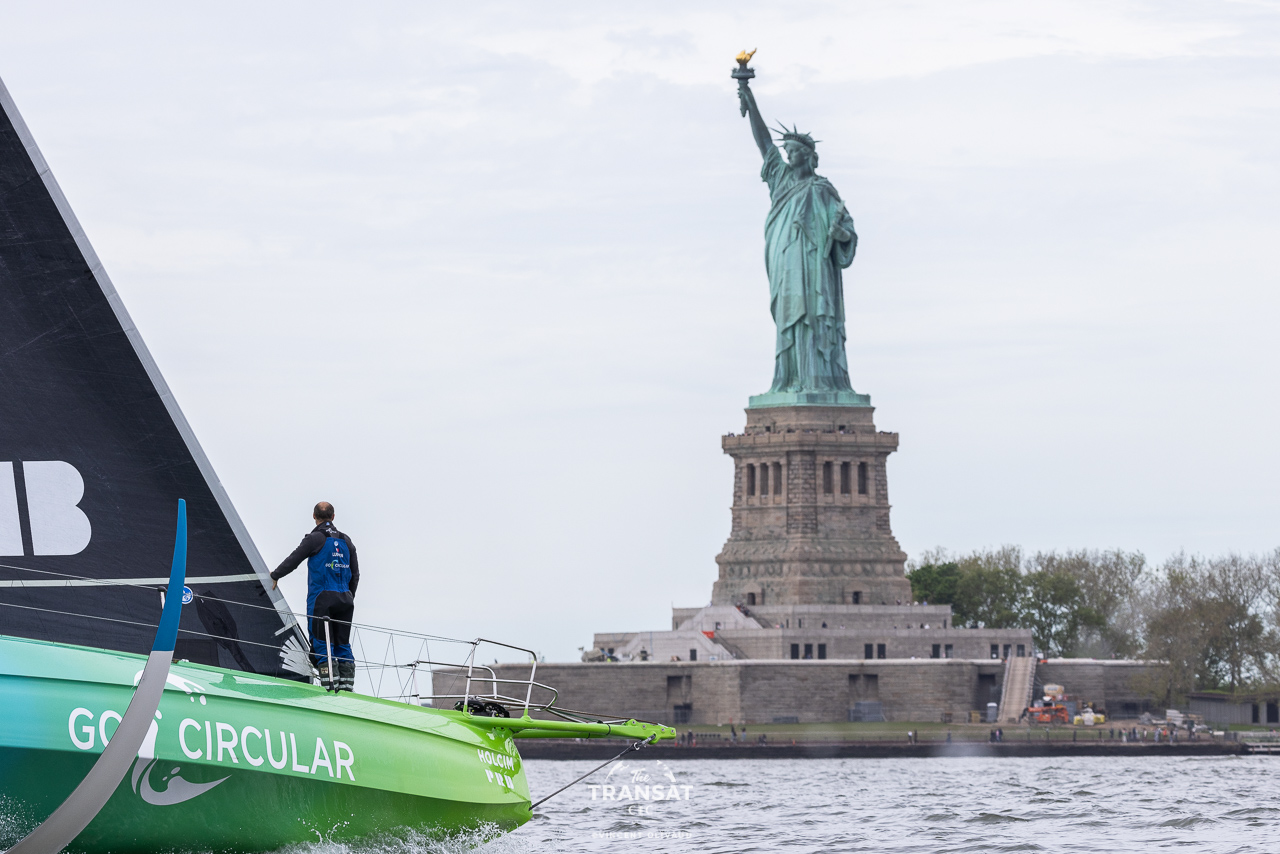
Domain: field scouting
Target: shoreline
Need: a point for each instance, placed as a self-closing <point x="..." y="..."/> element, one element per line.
<point x="605" y="749"/>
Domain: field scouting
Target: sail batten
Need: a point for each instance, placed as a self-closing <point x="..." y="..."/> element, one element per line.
<point x="122" y="582"/>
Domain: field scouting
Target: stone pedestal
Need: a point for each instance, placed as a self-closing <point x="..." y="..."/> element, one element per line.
<point x="811" y="511"/>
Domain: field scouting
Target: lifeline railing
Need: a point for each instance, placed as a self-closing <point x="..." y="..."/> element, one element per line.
<point x="389" y="662"/>
<point x="477" y="700"/>
<point x="471" y="666"/>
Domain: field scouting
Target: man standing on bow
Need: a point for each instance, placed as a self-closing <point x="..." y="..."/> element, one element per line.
<point x="332" y="577"/>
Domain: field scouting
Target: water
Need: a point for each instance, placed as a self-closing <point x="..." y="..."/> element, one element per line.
<point x="1087" y="804"/>
<point x="936" y="805"/>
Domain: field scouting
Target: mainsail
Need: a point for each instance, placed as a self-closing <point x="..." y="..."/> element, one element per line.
<point x="94" y="454"/>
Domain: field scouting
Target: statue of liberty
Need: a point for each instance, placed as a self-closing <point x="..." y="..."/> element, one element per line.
<point x="809" y="239"/>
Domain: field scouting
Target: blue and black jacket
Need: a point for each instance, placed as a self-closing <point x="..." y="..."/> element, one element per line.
<point x="331" y="563"/>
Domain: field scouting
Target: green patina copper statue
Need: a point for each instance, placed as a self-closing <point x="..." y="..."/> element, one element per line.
<point x="809" y="239"/>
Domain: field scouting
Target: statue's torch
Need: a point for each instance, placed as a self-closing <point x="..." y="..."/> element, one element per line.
<point x="742" y="74"/>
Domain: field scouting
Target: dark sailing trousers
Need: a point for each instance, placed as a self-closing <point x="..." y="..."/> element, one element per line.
<point x="339" y="608"/>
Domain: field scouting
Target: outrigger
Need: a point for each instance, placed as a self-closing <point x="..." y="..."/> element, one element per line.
<point x="243" y="748"/>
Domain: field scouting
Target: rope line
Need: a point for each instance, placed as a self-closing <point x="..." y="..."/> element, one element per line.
<point x="367" y="663"/>
<point x="636" y="746"/>
<point x="300" y="616"/>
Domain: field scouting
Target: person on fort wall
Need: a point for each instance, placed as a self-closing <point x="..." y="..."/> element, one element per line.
<point x="333" y="573"/>
<point x="809" y="240"/>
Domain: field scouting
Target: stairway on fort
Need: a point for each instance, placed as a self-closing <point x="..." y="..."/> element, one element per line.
<point x="1019" y="680"/>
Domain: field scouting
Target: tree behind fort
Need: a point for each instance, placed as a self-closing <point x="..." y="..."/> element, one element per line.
<point x="1213" y="623"/>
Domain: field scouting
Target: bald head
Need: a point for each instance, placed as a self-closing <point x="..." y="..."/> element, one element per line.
<point x="323" y="512"/>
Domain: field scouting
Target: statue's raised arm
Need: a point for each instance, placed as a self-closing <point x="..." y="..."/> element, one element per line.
<point x="747" y="103"/>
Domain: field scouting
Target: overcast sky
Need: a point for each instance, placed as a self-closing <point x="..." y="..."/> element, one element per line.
<point x="489" y="277"/>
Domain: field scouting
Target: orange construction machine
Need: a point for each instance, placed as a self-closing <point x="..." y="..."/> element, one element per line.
<point x="1055" y="714"/>
<point x="1052" y="709"/>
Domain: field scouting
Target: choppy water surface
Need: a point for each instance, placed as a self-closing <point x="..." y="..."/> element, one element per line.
<point x="1094" y="804"/>
<point x="1076" y="804"/>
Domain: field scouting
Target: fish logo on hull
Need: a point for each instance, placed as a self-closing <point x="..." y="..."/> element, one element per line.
<point x="174" y="789"/>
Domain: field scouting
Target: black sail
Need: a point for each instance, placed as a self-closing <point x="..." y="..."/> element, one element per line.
<point x="94" y="455"/>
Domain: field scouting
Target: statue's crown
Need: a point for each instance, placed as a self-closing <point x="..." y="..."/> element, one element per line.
<point x="794" y="135"/>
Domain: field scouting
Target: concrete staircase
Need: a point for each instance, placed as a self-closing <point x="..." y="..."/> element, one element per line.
<point x="1015" y="694"/>
<point x="734" y="650"/>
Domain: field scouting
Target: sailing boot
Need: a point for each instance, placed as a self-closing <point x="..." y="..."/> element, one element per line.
<point x="346" y="675"/>
<point x="323" y="666"/>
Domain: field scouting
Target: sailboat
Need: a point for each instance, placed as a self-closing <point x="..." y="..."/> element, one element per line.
<point x="247" y="750"/>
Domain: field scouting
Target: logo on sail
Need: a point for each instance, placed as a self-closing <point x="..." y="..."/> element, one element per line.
<point x="52" y="494"/>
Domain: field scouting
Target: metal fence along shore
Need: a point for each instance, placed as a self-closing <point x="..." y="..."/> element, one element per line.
<point x="926" y="740"/>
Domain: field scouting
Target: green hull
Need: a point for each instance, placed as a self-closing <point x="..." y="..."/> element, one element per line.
<point x="242" y="762"/>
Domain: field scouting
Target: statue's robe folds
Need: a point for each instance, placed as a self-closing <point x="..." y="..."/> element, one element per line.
<point x="806" y="290"/>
